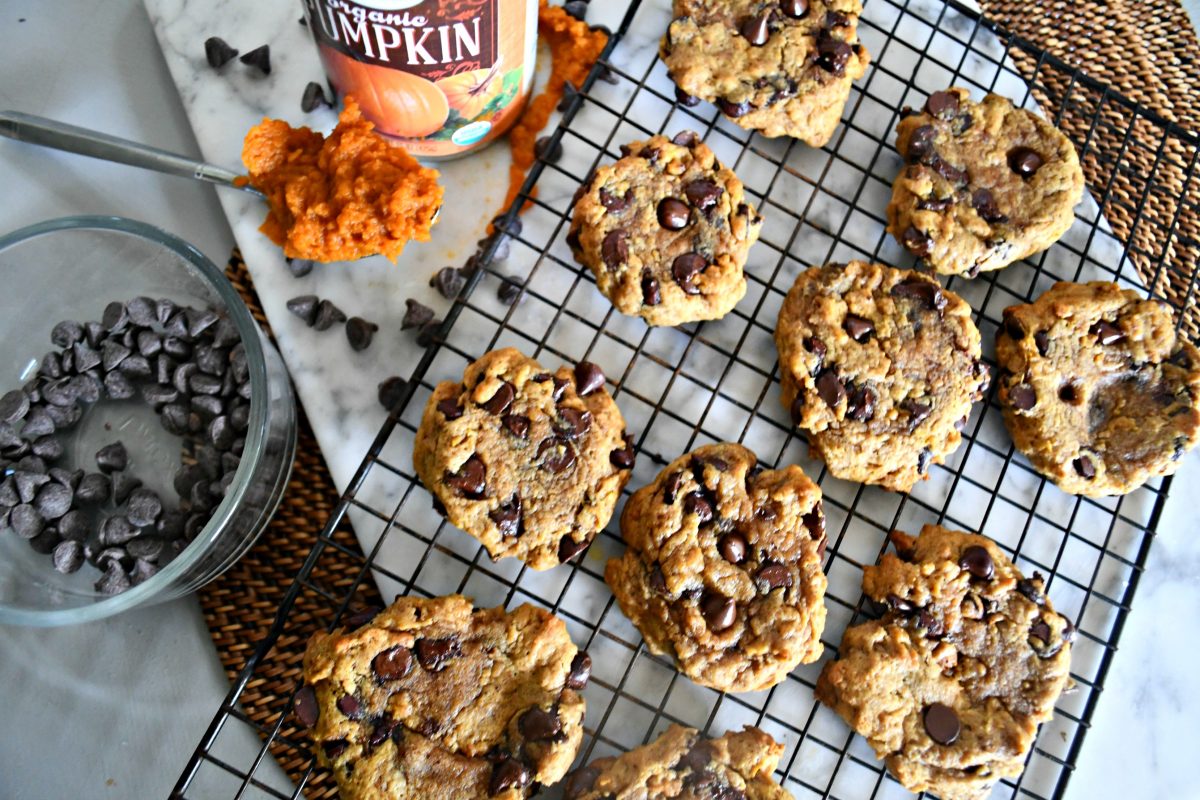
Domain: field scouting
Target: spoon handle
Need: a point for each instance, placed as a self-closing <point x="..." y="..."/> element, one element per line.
<point x="85" y="142"/>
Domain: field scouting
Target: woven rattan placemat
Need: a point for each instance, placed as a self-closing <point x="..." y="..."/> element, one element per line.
<point x="1145" y="49"/>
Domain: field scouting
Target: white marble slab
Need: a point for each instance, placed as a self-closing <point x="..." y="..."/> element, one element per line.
<point x="337" y="387"/>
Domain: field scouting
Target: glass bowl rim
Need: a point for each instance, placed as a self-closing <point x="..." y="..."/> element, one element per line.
<point x="252" y="454"/>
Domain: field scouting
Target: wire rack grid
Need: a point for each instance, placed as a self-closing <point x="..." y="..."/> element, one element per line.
<point x="679" y="388"/>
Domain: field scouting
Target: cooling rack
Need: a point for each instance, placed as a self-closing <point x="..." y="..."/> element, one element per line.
<point x="683" y="387"/>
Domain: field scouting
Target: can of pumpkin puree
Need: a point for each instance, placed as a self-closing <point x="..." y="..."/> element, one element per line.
<point x="441" y="77"/>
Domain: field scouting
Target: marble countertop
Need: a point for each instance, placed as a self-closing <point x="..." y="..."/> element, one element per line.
<point x="136" y="692"/>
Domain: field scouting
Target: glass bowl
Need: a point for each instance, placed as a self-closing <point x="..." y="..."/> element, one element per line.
<point x="70" y="269"/>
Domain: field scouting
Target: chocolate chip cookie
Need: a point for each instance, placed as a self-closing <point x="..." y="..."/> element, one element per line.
<point x="434" y="700"/>
<point x="683" y="765"/>
<point x="723" y="568"/>
<point x="782" y="68"/>
<point x="950" y="685"/>
<point x="879" y="367"/>
<point x="986" y="184"/>
<point x="666" y="231"/>
<point x="529" y="462"/>
<point x="1098" y="391"/>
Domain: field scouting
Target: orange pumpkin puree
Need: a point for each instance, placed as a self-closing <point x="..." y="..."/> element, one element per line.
<point x="343" y="197"/>
<point x="574" y="48"/>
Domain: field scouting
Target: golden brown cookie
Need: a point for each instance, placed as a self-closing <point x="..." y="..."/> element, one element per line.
<point x="683" y="765"/>
<point x="432" y="700"/>
<point x="666" y="231"/>
<point x="779" y="68"/>
<point x="1098" y="391"/>
<point x="880" y="368"/>
<point x="949" y="687"/>
<point x="986" y="184"/>
<point x="528" y="462"/>
<point x="723" y="568"/>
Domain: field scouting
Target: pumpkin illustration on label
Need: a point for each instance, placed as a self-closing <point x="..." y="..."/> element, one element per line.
<point x="399" y="103"/>
<point x="470" y="92"/>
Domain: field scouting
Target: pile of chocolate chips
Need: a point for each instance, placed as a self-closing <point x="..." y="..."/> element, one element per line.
<point x="190" y="366"/>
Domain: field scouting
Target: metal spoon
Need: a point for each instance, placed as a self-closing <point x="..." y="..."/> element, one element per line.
<point x="85" y="142"/>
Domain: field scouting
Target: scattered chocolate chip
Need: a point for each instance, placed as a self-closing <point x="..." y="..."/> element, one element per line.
<point x="941" y="723"/>
<point x="304" y="307"/>
<point x="614" y="249"/>
<point x="1024" y="161"/>
<point x="581" y="671"/>
<point x="218" y="52"/>
<point x="977" y="561"/>
<point x="548" y="150"/>
<point x="313" y="98"/>
<point x="733" y="547"/>
<point x="360" y="332"/>
<point x="448" y="281"/>
<point x="1106" y="333"/>
<point x="942" y="104"/>
<point x="539" y="725"/>
<point x="718" y="611"/>
<point x="923" y="291"/>
<point x="685" y="268"/>
<point x="756" y="30"/>
<point x="556" y="455"/>
<point x="389" y="392"/>
<point x="588" y="378"/>
<point x="471" y="478"/>
<point x="259" y="57"/>
<point x="509" y="772"/>
<point x="1022" y="397"/>
<point x="327" y="316"/>
<point x="1084" y="467"/>
<point x="858" y="328"/>
<point x="578" y="10"/>
<point x="392" y="664"/>
<point x="112" y="457"/>
<point x="427" y="335"/>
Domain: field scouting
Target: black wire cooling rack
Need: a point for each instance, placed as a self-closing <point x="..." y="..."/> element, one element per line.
<point x="682" y="387"/>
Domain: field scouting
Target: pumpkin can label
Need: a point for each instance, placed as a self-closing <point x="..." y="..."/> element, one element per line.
<point x="441" y="77"/>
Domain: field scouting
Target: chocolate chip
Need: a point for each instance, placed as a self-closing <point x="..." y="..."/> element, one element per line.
<point x="718" y="611"/>
<point x="577" y="9"/>
<point x="941" y="723"/>
<point x="1031" y="589"/>
<point x="1069" y="393"/>
<point x="136" y="367"/>
<point x="832" y="54"/>
<point x="651" y="292"/>
<point x="985" y="203"/>
<point x="1024" y="161"/>
<point x="830" y="388"/>
<point x="117" y="530"/>
<point x="313" y="97"/>
<point x="94" y="488"/>
<point x="548" y="150"/>
<point x="696" y="503"/>
<point x="977" y="561"/>
<point x="327" y="316"/>
<point x="516" y="424"/>
<point x="144" y="507"/>
<point x="539" y="725"/>
<point x="218" y="52"/>
<point x="556" y="455"/>
<point x="1042" y="340"/>
<point x="773" y="575"/>
<point x="433" y="654"/>
<point x="920" y="143"/>
<point x="14" y="405"/>
<point x="259" y="57"/>
<point x="615" y="203"/>
<point x="614" y="249"/>
<point x="673" y="213"/>
<point x="703" y="193"/>
<point x="509" y="772"/>
<point x="942" y="104"/>
<point x="588" y="378"/>
<point x="25" y="520"/>
<point x="304" y="307"/>
<point x="581" y="671"/>
<point x="66" y="333"/>
<point x="918" y="412"/>
<point x="1084" y="467"/>
<point x="925" y="292"/>
<point x="568" y="548"/>
<point x="389" y="392"/>
<point x="917" y="242"/>
<point x="68" y="556"/>
<point x="685" y="268"/>
<point x="815" y="522"/>
<point x="860" y="404"/>
<point x="1022" y="397"/>
<point x="732" y="109"/>
<point x="935" y="203"/>
<point x="507" y="516"/>
<point x="392" y="664"/>
<point x="427" y="335"/>
<point x="733" y="547"/>
<point x="53" y="500"/>
<point x="360" y="332"/>
<point x="1106" y="333"/>
<point x="471" y="478"/>
<point x="573" y="423"/>
<point x="114" y="580"/>
<point x="112" y="457"/>
<point x="500" y="402"/>
<point x="858" y="328"/>
<point x="450" y="408"/>
<point x="756" y="29"/>
<point x="448" y="281"/>
<point x="623" y="458"/>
